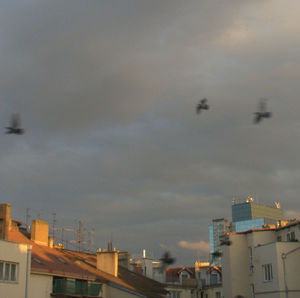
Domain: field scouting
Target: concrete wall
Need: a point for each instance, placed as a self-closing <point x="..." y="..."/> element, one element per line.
<point x="262" y="255"/>
<point x="15" y="253"/>
<point x="235" y="267"/>
<point x="40" y="286"/>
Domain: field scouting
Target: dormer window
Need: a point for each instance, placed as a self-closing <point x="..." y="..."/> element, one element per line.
<point x="184" y="275"/>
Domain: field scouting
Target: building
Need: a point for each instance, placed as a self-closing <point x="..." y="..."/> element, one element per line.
<point x="250" y="215"/>
<point x="262" y="263"/>
<point x="149" y="267"/>
<point x="57" y="272"/>
<point x="218" y="228"/>
<point x="247" y="215"/>
<point x="181" y="282"/>
<point x="14" y="269"/>
<point x="209" y="278"/>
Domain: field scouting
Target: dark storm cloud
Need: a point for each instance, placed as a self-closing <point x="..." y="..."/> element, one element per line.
<point x="107" y="93"/>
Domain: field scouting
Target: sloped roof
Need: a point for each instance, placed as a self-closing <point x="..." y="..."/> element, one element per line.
<point x="61" y="262"/>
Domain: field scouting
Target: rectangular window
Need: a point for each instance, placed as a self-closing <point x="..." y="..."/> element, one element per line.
<point x="13" y="272"/>
<point x="267" y="272"/>
<point x="213" y="279"/>
<point x="1" y="270"/>
<point x="218" y="294"/>
<point x="8" y="271"/>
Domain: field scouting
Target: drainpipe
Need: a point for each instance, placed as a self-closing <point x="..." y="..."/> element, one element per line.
<point x="28" y="261"/>
<point x="283" y="257"/>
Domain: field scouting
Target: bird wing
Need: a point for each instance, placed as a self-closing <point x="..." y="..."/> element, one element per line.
<point x="198" y="108"/>
<point x="257" y="117"/>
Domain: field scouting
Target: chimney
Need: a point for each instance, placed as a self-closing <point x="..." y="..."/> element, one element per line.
<point x="39" y="232"/>
<point x="107" y="261"/>
<point x="5" y="221"/>
<point x="50" y="241"/>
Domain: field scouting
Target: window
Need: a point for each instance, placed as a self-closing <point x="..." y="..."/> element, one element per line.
<point x="267" y="272"/>
<point x="213" y="279"/>
<point x="290" y="236"/>
<point x="37" y="260"/>
<point x="8" y="271"/>
<point x="218" y="294"/>
<point x="62" y="260"/>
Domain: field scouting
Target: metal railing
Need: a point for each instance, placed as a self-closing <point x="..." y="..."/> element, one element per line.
<point x="76" y="287"/>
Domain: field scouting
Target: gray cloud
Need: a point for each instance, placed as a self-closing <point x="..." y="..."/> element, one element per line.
<point x="107" y="94"/>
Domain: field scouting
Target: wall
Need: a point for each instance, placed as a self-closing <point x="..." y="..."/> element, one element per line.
<point x="40" y="286"/>
<point x="235" y="266"/>
<point x="262" y="255"/>
<point x="15" y="253"/>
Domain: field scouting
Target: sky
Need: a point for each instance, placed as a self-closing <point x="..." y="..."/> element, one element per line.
<point x="107" y="91"/>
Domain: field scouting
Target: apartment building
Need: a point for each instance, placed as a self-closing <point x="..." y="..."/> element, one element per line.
<point x="262" y="263"/>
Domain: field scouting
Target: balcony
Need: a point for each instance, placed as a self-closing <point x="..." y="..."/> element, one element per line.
<point x="75" y="288"/>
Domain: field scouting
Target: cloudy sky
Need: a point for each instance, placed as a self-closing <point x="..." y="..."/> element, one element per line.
<point x="107" y="92"/>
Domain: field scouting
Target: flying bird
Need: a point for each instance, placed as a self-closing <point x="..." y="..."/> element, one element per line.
<point x="262" y="113"/>
<point x="202" y="105"/>
<point x="15" y="126"/>
<point x="167" y="259"/>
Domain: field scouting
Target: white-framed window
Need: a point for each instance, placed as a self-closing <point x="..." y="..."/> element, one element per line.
<point x="8" y="271"/>
<point x="218" y="294"/>
<point x="267" y="272"/>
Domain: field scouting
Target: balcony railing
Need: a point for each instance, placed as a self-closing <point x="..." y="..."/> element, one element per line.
<point x="76" y="287"/>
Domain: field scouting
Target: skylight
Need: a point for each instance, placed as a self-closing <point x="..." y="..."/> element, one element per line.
<point x="37" y="260"/>
<point x="62" y="260"/>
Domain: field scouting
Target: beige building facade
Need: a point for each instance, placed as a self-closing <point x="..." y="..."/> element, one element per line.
<point x="262" y="263"/>
<point x="14" y="269"/>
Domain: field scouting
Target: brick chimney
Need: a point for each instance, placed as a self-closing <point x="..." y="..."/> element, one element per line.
<point x="39" y="232"/>
<point x="5" y="221"/>
<point x="107" y="261"/>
